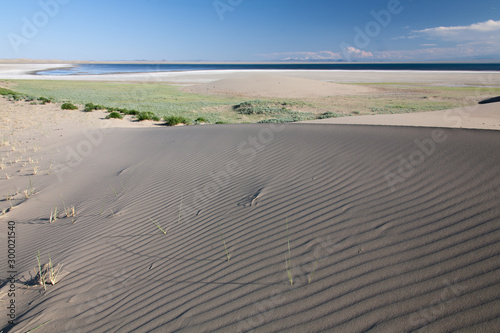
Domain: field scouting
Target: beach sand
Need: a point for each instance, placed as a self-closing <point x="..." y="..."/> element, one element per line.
<point x="485" y="116"/>
<point x="327" y="227"/>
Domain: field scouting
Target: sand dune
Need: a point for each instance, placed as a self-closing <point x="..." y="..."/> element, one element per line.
<point x="485" y="116"/>
<point x="376" y="243"/>
<point x="276" y="86"/>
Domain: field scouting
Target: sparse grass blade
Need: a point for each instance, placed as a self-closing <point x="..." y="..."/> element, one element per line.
<point x="158" y="226"/>
<point x="69" y="211"/>
<point x="288" y="267"/>
<point x="116" y="194"/>
<point x="53" y="272"/>
<point x="54" y="215"/>
<point x="41" y="274"/>
<point x="39" y="326"/>
<point x="224" y="243"/>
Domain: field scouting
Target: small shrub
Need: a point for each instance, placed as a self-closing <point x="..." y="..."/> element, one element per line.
<point x="131" y="112"/>
<point x="45" y="100"/>
<point x="115" y="115"/>
<point x="176" y="120"/>
<point x="220" y="122"/>
<point x="89" y="107"/>
<point x="330" y="114"/>
<point x="16" y="97"/>
<point x="69" y="106"/>
<point x="200" y="120"/>
<point x="147" y="115"/>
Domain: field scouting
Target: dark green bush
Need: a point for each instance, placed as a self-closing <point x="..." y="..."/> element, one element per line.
<point x="45" y="100"/>
<point x="130" y="112"/>
<point x="176" y="120"/>
<point x="69" y="106"/>
<point x="115" y="115"/>
<point x="200" y="120"/>
<point x="147" y="115"/>
<point x="329" y="114"/>
<point x="89" y="107"/>
<point x="16" y="97"/>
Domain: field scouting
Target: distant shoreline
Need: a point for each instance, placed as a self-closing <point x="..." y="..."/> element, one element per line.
<point x="434" y="77"/>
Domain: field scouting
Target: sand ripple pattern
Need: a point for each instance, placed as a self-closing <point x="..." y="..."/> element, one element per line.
<point x="420" y="257"/>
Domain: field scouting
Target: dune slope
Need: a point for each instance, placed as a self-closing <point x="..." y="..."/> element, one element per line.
<point x="372" y="242"/>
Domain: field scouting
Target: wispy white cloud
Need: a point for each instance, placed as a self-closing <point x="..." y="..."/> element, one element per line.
<point x="483" y="30"/>
<point x="476" y="40"/>
<point x="353" y="53"/>
<point x="303" y="56"/>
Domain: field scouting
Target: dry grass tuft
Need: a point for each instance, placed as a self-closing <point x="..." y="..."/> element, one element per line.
<point x="46" y="273"/>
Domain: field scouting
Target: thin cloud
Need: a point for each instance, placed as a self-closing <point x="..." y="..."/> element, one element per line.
<point x="353" y="53"/>
<point x="483" y="30"/>
<point x="303" y="56"/>
<point x="357" y="53"/>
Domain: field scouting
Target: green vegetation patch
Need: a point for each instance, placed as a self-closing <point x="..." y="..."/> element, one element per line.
<point x="114" y="115"/>
<point x="69" y="106"/>
<point x="277" y="111"/>
<point x="147" y="116"/>
<point x="89" y="107"/>
<point x="7" y="92"/>
<point x="176" y="120"/>
<point x="158" y="98"/>
<point x="45" y="100"/>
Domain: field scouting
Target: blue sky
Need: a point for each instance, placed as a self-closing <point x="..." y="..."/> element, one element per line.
<point x="251" y="30"/>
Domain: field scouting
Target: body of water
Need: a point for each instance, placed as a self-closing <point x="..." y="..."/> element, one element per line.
<point x="97" y="69"/>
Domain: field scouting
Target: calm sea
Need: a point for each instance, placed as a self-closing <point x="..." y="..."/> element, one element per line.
<point x="95" y="69"/>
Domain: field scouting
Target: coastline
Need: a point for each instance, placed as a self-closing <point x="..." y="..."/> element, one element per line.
<point x="383" y="229"/>
<point x="466" y="78"/>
